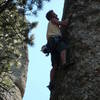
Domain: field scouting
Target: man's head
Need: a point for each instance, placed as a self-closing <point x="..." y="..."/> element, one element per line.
<point x="51" y="14"/>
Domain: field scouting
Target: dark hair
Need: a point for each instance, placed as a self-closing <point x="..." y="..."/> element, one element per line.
<point x="48" y="15"/>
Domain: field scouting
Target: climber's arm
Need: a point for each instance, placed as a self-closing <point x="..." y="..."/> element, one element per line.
<point x="69" y="18"/>
<point x="64" y="23"/>
<point x="59" y="23"/>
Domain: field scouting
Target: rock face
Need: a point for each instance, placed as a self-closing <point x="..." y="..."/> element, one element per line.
<point x="81" y="81"/>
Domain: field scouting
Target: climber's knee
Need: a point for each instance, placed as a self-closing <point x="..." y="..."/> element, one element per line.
<point x="52" y="74"/>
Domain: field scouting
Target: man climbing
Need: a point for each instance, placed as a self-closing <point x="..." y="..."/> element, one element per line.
<point x="55" y="43"/>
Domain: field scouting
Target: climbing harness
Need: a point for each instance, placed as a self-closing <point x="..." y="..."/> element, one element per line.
<point x="49" y="47"/>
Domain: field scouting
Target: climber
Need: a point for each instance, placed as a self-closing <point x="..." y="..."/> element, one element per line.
<point x="54" y="35"/>
<point x="55" y="43"/>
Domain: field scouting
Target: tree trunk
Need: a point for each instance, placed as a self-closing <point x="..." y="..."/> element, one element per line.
<point x="81" y="81"/>
<point x="13" y="83"/>
<point x="13" y="54"/>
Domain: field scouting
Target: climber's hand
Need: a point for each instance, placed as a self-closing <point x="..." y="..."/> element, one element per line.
<point x="70" y="15"/>
<point x="65" y="23"/>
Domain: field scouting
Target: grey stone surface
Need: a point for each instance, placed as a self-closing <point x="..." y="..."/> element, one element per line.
<point x="81" y="81"/>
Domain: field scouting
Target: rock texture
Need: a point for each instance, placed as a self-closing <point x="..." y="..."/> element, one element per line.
<point x="81" y="81"/>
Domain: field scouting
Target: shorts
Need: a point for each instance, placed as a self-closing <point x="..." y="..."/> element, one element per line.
<point x="55" y="59"/>
<point x="56" y="45"/>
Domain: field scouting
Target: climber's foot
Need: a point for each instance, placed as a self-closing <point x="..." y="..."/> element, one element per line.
<point x="67" y="65"/>
<point x="51" y="86"/>
<point x="63" y="66"/>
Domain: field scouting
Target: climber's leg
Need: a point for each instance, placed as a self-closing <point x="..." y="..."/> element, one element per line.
<point x="51" y="84"/>
<point x="52" y="74"/>
<point x="62" y="49"/>
<point x="63" y="56"/>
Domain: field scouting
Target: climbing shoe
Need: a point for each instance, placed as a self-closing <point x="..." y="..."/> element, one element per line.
<point x="67" y="65"/>
<point x="51" y="86"/>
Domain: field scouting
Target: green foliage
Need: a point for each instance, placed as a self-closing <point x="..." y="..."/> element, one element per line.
<point x="29" y="7"/>
<point x="14" y="29"/>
